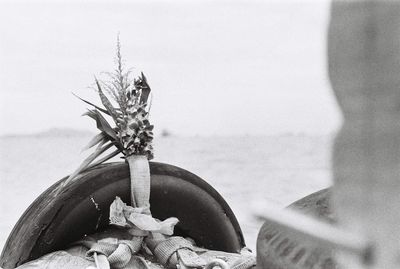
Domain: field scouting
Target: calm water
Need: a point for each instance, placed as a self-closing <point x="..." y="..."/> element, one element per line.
<point x="274" y="169"/>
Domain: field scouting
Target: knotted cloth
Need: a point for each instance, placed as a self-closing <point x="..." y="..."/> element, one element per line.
<point x="118" y="252"/>
<point x="184" y="250"/>
<point x="120" y="255"/>
<point x="139" y="219"/>
<point x="140" y="223"/>
<point x="169" y="251"/>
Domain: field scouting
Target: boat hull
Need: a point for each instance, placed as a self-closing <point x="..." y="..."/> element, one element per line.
<point x="52" y="222"/>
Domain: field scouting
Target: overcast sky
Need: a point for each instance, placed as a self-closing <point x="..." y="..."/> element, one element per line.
<point x="225" y="68"/>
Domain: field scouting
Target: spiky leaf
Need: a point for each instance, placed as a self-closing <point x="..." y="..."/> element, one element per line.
<point x="86" y="163"/>
<point x="87" y="102"/>
<point x="105" y="158"/>
<point x="95" y="140"/>
<point x="145" y="89"/>
<point x="102" y="123"/>
<point x="106" y="103"/>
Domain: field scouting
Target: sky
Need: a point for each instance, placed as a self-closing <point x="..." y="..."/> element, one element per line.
<point x="215" y="67"/>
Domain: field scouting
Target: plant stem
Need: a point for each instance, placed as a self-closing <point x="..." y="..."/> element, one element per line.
<point x="140" y="180"/>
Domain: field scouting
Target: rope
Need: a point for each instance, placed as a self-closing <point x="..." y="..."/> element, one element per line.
<point x="170" y="252"/>
<point x="176" y="249"/>
<point x="113" y="252"/>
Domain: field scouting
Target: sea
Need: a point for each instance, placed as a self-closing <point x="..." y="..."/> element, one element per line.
<point x="245" y="170"/>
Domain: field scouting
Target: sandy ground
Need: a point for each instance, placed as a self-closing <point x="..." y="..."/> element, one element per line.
<point x="270" y="169"/>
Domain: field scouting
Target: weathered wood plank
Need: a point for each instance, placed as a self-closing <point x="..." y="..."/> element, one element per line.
<point x="364" y="68"/>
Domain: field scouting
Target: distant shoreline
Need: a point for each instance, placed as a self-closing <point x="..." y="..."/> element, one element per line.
<point x="52" y="132"/>
<point x="70" y="132"/>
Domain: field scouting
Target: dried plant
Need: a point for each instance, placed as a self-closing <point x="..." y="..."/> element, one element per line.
<point x="125" y="101"/>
